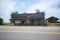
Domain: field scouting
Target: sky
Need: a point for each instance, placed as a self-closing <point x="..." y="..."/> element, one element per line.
<point x="50" y="7"/>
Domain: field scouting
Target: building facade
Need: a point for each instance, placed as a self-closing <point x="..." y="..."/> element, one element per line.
<point x="52" y="19"/>
<point x="30" y="19"/>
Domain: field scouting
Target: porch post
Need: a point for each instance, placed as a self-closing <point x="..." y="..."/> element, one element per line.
<point x="41" y="22"/>
<point x="35" y="22"/>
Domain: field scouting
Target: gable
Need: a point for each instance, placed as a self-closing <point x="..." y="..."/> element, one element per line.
<point x="52" y="18"/>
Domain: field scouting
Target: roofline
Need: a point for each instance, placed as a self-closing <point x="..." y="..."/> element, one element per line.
<point x="32" y="13"/>
<point x="52" y="16"/>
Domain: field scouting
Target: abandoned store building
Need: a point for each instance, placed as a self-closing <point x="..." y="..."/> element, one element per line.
<point x="29" y="19"/>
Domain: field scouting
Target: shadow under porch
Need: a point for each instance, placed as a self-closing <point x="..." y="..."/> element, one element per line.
<point x="32" y="22"/>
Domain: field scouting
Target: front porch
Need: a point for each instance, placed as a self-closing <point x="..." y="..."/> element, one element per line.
<point x="29" y="22"/>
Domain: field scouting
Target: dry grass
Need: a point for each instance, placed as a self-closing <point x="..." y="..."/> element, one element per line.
<point x="53" y="24"/>
<point x="48" y="24"/>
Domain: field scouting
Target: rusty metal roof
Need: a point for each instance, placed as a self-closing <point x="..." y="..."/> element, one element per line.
<point x="29" y="16"/>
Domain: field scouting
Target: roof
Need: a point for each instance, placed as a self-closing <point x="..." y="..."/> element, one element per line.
<point x="29" y="16"/>
<point x="52" y="18"/>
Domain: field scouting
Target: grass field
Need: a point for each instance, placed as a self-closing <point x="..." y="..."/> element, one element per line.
<point x="48" y="24"/>
<point x="53" y="24"/>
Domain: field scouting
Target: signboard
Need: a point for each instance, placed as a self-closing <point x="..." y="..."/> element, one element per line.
<point x="17" y="21"/>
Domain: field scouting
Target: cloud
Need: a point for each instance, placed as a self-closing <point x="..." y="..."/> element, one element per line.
<point x="50" y="7"/>
<point x="52" y="12"/>
<point x="43" y="5"/>
<point x="6" y="6"/>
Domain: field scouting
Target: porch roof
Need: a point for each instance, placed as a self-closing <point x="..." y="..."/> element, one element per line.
<point x="30" y="16"/>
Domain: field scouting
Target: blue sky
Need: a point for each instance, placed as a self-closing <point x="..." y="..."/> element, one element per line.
<point x="50" y="7"/>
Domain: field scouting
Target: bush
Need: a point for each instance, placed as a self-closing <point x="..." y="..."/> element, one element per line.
<point x="1" y="21"/>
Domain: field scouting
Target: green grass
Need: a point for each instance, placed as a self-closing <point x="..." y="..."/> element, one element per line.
<point x="48" y="24"/>
<point x="5" y="24"/>
<point x="53" y="24"/>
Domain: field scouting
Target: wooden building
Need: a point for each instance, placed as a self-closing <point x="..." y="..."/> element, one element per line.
<point x="29" y="19"/>
<point x="52" y="19"/>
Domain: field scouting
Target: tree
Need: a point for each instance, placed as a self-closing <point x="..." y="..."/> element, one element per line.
<point x="12" y="16"/>
<point x="1" y="21"/>
<point x="38" y="11"/>
<point x="24" y="12"/>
